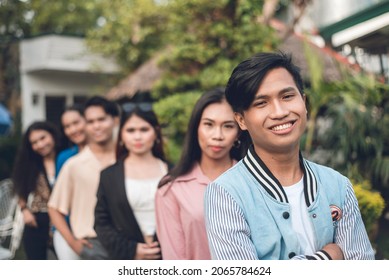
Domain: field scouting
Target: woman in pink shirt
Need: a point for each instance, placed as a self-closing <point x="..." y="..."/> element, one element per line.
<point x="212" y="145"/>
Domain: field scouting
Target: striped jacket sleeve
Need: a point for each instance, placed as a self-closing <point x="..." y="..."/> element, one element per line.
<point x="227" y="229"/>
<point x="351" y="234"/>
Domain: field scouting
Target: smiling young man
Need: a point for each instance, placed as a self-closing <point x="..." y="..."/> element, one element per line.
<point x="74" y="193"/>
<point x="274" y="204"/>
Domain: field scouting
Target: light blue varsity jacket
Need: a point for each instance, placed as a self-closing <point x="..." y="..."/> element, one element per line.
<point x="263" y="213"/>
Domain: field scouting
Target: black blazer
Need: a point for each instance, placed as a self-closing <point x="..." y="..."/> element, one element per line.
<point x="115" y="223"/>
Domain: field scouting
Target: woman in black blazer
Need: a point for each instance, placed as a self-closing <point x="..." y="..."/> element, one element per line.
<point x="124" y="213"/>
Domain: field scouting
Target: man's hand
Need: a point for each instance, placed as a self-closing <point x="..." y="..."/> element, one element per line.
<point x="334" y="251"/>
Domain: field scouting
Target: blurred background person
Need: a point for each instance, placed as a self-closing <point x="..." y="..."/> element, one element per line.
<point x="124" y="214"/>
<point x="212" y="145"/>
<point x="73" y="125"/>
<point x="33" y="177"/>
<point x="74" y="193"/>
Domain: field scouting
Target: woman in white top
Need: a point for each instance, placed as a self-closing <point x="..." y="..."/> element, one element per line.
<point x="124" y="214"/>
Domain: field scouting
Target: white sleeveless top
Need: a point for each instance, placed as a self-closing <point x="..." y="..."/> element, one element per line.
<point x="141" y="195"/>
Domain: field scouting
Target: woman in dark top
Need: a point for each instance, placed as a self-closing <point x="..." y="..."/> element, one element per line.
<point x="124" y="214"/>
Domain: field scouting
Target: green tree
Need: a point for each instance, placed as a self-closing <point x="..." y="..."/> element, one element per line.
<point x="132" y="30"/>
<point x="320" y="94"/>
<point x="63" y="16"/>
<point x="207" y="40"/>
<point x="359" y="131"/>
<point x="201" y="41"/>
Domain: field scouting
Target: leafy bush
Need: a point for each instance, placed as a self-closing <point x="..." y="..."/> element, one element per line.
<point x="174" y="112"/>
<point x="370" y="203"/>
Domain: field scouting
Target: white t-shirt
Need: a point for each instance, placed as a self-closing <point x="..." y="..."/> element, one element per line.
<point x="299" y="215"/>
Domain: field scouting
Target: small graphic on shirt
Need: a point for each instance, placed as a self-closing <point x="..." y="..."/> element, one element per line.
<point x="336" y="213"/>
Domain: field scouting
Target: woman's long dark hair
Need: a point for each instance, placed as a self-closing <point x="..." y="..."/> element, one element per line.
<point x="28" y="164"/>
<point x="191" y="152"/>
<point x="148" y="116"/>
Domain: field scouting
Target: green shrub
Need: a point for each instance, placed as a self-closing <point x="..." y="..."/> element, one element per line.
<point x="370" y="203"/>
<point x="174" y="112"/>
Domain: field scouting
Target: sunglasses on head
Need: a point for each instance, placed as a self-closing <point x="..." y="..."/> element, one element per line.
<point x="143" y="106"/>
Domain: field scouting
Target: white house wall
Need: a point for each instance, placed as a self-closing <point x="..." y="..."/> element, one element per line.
<point x="59" y="66"/>
<point x="55" y="52"/>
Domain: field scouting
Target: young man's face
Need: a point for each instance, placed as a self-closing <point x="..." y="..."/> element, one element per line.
<point x="277" y="117"/>
<point x="99" y="125"/>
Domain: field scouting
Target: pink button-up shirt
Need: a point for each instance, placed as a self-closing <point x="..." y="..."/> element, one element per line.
<point x="180" y="217"/>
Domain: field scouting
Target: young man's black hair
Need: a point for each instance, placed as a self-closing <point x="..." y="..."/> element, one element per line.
<point x="248" y="75"/>
<point x="110" y="107"/>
